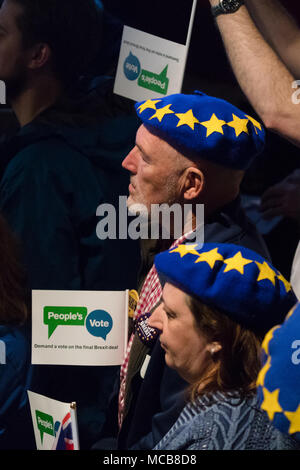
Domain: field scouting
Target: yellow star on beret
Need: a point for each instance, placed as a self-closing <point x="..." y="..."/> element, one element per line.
<point x="188" y="119"/>
<point x="265" y="272"/>
<point x="149" y="104"/>
<point x="294" y="419"/>
<point x="270" y="403"/>
<point x="287" y="285"/>
<point x="262" y="372"/>
<point x="185" y="249"/>
<point x="291" y="312"/>
<point x="237" y="262"/>
<point x="256" y="124"/>
<point x="161" y="112"/>
<point x="213" y="125"/>
<point x="267" y="339"/>
<point x="210" y="257"/>
<point x="239" y="125"/>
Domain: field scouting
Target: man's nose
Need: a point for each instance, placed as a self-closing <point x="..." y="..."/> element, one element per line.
<point x="155" y="320"/>
<point x="130" y="162"/>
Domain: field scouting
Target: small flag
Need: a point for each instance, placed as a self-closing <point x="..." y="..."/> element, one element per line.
<point x="54" y="423"/>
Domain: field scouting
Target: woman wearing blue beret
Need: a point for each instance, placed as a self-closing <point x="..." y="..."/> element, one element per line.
<point x="218" y="302"/>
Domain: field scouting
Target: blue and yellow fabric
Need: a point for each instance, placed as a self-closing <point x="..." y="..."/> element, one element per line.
<point x="235" y="280"/>
<point x="279" y="379"/>
<point x="202" y="126"/>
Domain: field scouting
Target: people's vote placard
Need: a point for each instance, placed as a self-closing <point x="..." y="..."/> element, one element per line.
<point x="152" y="66"/>
<point x="79" y="327"/>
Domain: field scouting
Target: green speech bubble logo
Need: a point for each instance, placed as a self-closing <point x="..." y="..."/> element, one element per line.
<point x="44" y="423"/>
<point x="154" y="82"/>
<point x="55" y="316"/>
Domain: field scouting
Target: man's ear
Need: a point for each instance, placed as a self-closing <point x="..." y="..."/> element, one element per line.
<point x="193" y="183"/>
<point x="40" y="55"/>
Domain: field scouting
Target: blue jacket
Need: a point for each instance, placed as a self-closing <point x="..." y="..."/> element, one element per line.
<point x="220" y="422"/>
<point x="56" y="171"/>
<point x="16" y="430"/>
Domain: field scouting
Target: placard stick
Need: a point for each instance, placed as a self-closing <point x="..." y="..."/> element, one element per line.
<point x="73" y="412"/>
<point x="189" y="35"/>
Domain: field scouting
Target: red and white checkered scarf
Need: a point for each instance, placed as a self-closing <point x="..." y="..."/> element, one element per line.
<point x="150" y="295"/>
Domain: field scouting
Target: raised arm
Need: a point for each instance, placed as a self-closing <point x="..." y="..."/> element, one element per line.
<point x="280" y="30"/>
<point x="263" y="77"/>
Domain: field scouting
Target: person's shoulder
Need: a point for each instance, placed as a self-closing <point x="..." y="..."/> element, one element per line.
<point x="219" y="422"/>
<point x="51" y="149"/>
<point x="49" y="157"/>
<point x="231" y="407"/>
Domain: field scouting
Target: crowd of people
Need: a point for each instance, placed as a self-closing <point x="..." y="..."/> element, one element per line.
<point x="213" y="358"/>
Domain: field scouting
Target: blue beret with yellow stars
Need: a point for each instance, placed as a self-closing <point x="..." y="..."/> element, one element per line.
<point x="201" y="126"/>
<point x="233" y="279"/>
<point x="278" y="382"/>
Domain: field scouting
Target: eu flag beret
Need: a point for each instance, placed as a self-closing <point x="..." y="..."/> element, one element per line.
<point x="202" y="126"/>
<point x="235" y="280"/>
<point x="278" y="382"/>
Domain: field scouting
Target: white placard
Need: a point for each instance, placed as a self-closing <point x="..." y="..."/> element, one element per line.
<point x="79" y="327"/>
<point x="54" y="423"/>
<point x="150" y="66"/>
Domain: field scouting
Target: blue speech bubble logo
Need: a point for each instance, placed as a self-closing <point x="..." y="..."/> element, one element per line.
<point x="132" y="67"/>
<point x="99" y="323"/>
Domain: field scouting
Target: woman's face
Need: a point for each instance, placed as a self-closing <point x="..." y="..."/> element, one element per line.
<point x="187" y="349"/>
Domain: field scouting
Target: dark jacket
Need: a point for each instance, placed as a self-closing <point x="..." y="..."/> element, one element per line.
<point x="56" y="171"/>
<point x="154" y="403"/>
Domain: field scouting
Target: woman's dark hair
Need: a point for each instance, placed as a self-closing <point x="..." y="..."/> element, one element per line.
<point x="72" y="29"/>
<point x="13" y="288"/>
<point x="237" y="364"/>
